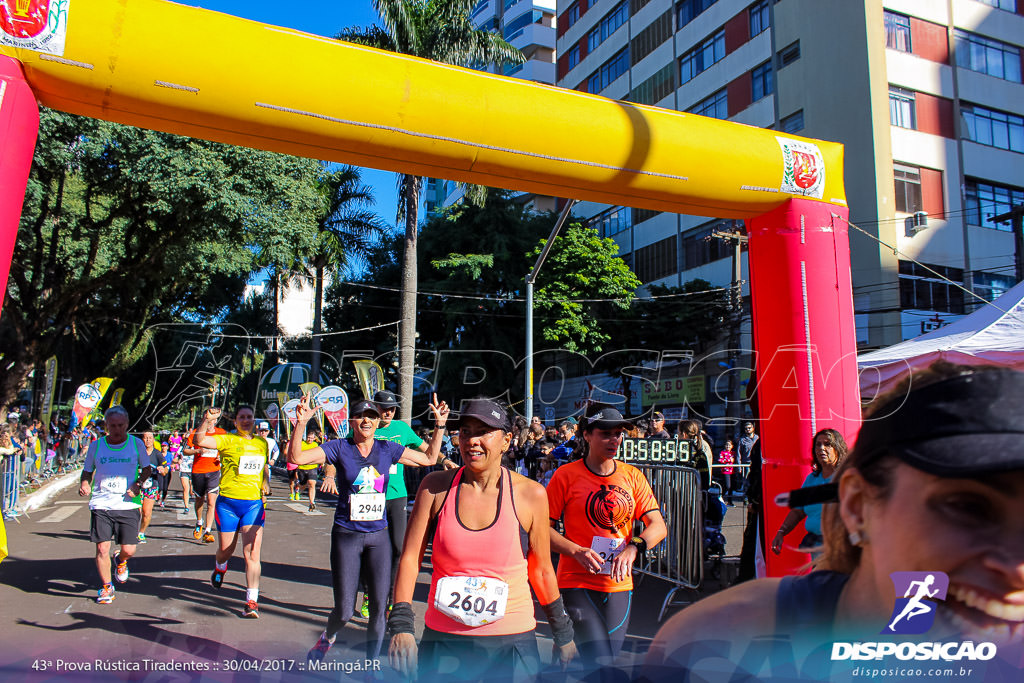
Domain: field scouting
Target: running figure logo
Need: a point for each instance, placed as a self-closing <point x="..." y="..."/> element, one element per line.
<point x="914" y="613"/>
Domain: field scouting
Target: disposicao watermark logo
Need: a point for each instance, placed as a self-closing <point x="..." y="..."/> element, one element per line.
<point x="917" y="596"/>
<point x="914" y="613"/>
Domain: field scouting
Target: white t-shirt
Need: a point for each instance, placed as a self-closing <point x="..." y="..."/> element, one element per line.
<point x="272" y="449"/>
<point x="185" y="463"/>
<point x="115" y="469"/>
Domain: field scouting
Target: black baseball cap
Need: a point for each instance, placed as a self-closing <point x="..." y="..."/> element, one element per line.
<point x="608" y="418"/>
<point x="385" y="399"/>
<point x="363" y="405"/>
<point x="491" y="413"/>
<point x="963" y="426"/>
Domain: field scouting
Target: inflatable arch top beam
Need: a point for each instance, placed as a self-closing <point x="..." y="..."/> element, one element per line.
<point x="204" y="74"/>
<point x="199" y="73"/>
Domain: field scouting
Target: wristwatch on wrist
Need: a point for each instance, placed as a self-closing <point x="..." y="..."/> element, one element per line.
<point x="641" y="545"/>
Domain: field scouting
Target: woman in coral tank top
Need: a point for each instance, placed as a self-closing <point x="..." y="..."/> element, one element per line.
<point x="490" y="545"/>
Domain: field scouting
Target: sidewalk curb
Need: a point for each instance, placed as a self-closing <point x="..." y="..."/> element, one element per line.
<point x="49" y="491"/>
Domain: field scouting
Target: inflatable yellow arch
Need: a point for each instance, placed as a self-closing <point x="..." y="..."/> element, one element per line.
<point x="200" y="73"/>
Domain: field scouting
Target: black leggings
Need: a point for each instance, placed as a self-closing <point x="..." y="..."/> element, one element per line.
<point x="600" y="621"/>
<point x="355" y="554"/>
<point x="164" y="482"/>
<point x="446" y="657"/>
<point x="397" y="519"/>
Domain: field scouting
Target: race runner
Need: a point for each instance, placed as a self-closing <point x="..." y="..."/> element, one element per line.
<point x="184" y="460"/>
<point x="598" y="499"/>
<point x="359" y="540"/>
<point x="114" y="462"/>
<point x="205" y="483"/>
<point x="151" y="486"/>
<point x="245" y="478"/>
<point x="490" y="545"/>
<point x="306" y="474"/>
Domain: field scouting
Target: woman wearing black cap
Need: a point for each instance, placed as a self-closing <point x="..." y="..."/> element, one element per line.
<point x="932" y="492"/>
<point x="359" y="539"/>
<point x="490" y="545"/>
<point x="598" y="500"/>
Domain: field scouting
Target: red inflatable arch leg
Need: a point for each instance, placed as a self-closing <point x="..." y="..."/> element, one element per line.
<point x="19" y="126"/>
<point x="806" y="344"/>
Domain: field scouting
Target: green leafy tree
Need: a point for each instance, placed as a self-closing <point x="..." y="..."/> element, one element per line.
<point x="443" y="31"/>
<point x="582" y="277"/>
<point x="123" y="228"/>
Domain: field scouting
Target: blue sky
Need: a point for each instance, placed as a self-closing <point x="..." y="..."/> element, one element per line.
<point x="326" y="18"/>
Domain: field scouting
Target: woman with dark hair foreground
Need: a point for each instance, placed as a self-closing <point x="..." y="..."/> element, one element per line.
<point x="931" y="495"/>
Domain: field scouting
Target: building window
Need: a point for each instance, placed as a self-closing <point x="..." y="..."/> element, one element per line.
<point x="924" y="290"/>
<point x="789" y="54"/>
<point x="656" y="33"/>
<point x="1008" y="5"/>
<point x="760" y="14"/>
<point x="987" y="56"/>
<point x="688" y="10"/>
<point x="984" y="200"/>
<point x="908" y="188"/>
<point x="515" y="27"/>
<point x="480" y="7"/>
<point x="611" y="221"/>
<point x="702" y="57"/>
<point x="762" y="81"/>
<point x="901" y="108"/>
<point x="792" y="123"/>
<point x="897" y="32"/>
<point x="641" y="215"/>
<point x="992" y="286"/>
<point x="574" y="57"/>
<point x="609" y="71"/>
<point x="572" y="15"/>
<point x="609" y="24"/>
<point x="656" y="261"/>
<point x="715" y="106"/>
<point x="655" y="88"/>
<point x="701" y="247"/>
<point x="993" y="128"/>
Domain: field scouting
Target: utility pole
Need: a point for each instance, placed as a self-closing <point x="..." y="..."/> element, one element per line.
<point x="738" y="239"/>
<point x="530" y="280"/>
<point x="1015" y="214"/>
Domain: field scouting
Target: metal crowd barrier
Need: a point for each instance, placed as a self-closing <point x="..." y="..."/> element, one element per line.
<point x="679" y="559"/>
<point x="10" y="482"/>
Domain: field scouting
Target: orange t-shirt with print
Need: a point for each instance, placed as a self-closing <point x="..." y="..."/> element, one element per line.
<point x="206" y="461"/>
<point x="594" y="508"/>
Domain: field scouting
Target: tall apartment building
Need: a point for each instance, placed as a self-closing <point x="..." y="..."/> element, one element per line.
<point x="528" y="25"/>
<point x="926" y="96"/>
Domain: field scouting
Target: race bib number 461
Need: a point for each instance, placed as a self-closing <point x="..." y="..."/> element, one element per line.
<point x="471" y="600"/>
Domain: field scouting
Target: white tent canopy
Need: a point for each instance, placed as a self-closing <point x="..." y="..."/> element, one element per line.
<point x="992" y="335"/>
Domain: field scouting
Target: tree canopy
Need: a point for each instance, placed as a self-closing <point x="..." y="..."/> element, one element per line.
<point x="124" y="227"/>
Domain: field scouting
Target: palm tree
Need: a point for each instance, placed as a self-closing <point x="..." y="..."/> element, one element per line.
<point x="440" y="30"/>
<point x="346" y="230"/>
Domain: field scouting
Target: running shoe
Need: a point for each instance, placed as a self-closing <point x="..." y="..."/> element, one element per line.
<point x="142" y="537"/>
<point x="197" y="533"/>
<point x="217" y="577"/>
<point x="319" y="650"/>
<point x="121" y="568"/>
<point x="208" y="537"/>
<point x="312" y="507"/>
<point x="364" y="611"/>
<point x="105" y="595"/>
<point x="251" y="610"/>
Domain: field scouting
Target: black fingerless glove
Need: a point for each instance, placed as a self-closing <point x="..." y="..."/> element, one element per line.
<point x="561" y="624"/>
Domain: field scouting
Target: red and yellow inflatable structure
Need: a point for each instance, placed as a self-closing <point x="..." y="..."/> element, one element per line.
<point x="194" y="72"/>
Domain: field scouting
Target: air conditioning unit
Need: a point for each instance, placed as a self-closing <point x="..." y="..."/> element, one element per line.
<point x="917" y="223"/>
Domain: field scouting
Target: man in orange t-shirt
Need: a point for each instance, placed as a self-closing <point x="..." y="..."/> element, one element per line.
<point x="205" y="483"/>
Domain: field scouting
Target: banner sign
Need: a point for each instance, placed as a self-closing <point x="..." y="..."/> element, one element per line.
<point x="371" y="377"/>
<point x="86" y="399"/>
<point x="38" y="25"/>
<point x="101" y="384"/>
<point x="49" y="384"/>
<point x="115" y="399"/>
<point x="334" y="403"/>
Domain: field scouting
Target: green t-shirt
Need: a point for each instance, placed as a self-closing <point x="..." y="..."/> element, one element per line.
<point x="399" y="432"/>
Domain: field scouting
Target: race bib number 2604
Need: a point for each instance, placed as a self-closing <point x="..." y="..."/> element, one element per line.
<point x="471" y="600"/>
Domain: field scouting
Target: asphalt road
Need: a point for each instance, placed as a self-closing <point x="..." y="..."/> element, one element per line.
<point x="168" y="615"/>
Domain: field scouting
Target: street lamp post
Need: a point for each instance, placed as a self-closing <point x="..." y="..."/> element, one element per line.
<point x="530" y="280"/>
